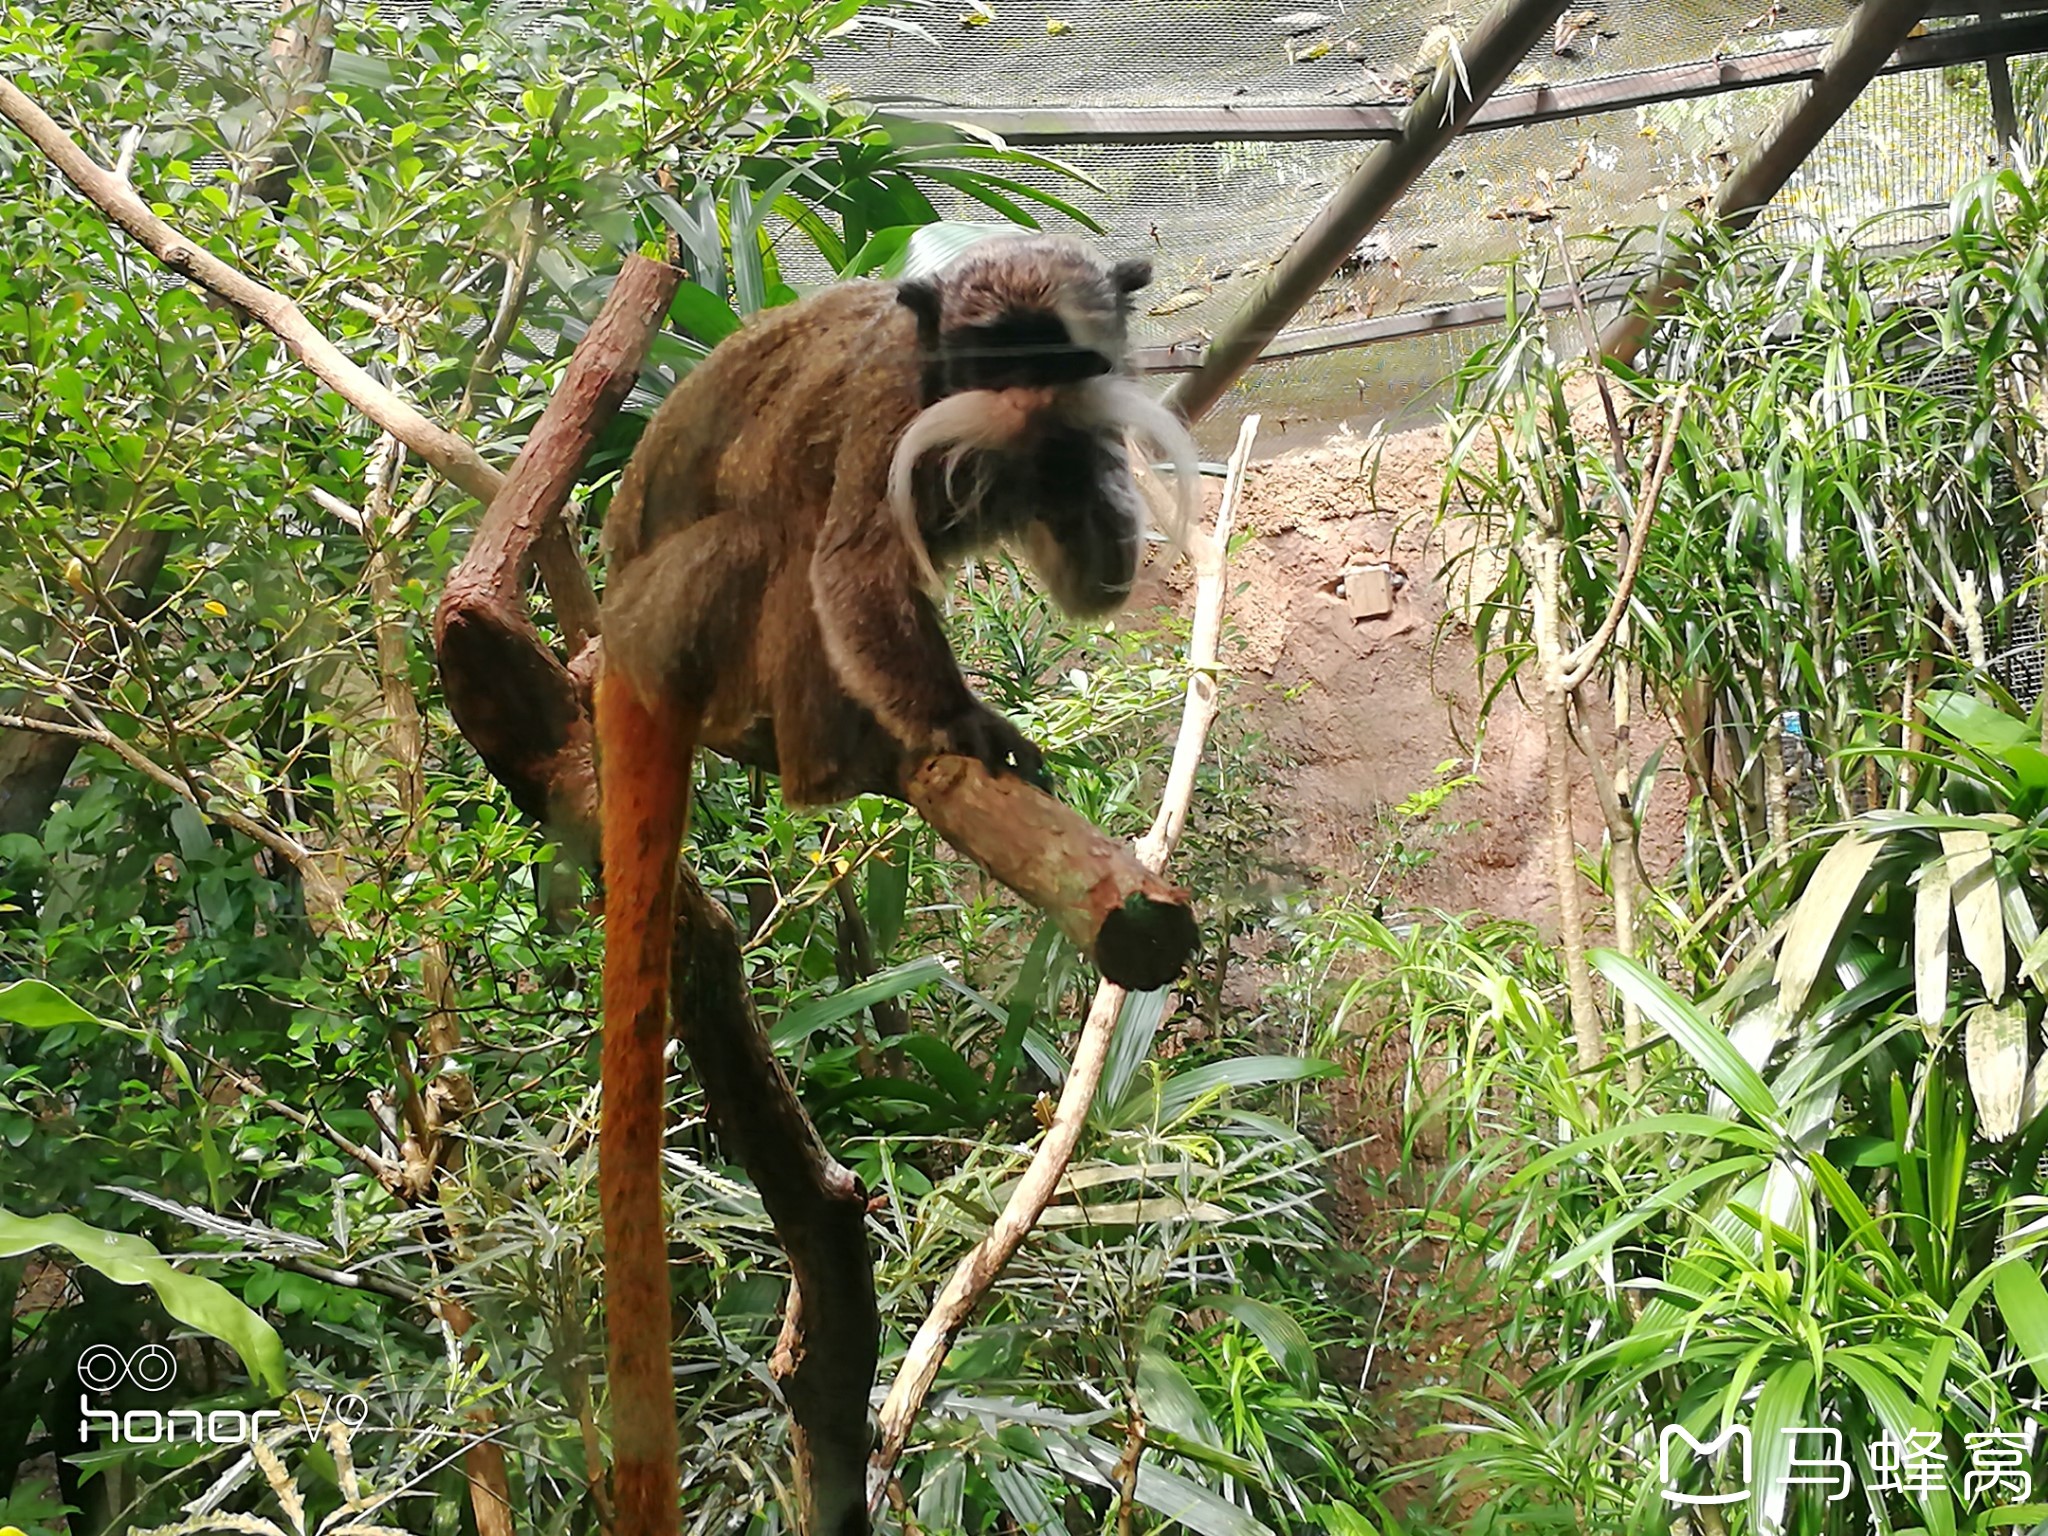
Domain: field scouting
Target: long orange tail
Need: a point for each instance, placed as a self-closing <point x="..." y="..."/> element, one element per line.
<point x="644" y="776"/>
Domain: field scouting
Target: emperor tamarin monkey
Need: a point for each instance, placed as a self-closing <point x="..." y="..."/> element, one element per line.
<point x="772" y="554"/>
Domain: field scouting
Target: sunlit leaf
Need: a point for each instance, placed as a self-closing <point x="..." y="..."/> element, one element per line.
<point x="1817" y="919"/>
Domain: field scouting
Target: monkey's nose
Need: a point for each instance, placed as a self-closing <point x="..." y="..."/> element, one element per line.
<point x="1028" y="400"/>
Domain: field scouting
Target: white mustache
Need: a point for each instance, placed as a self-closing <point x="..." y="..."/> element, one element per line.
<point x="986" y="419"/>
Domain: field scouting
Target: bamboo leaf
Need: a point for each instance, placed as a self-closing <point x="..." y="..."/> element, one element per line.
<point x="1168" y="1400"/>
<point x="800" y="1023"/>
<point x="1995" y="1045"/>
<point x="1817" y="919"/>
<point x="1284" y="1337"/>
<point x="2023" y="1303"/>
<point x="1700" y="1040"/>
<point x="1974" y="879"/>
<point x="1781" y="1406"/>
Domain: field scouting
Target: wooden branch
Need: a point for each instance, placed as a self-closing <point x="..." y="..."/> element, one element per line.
<point x="1138" y="930"/>
<point x="977" y="1272"/>
<point x="452" y="456"/>
<point x="826" y="1360"/>
<point x="1580" y="664"/>
<point x="325" y="893"/>
<point x="525" y="713"/>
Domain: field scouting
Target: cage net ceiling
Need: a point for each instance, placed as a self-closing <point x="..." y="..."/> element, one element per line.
<point x="1213" y="215"/>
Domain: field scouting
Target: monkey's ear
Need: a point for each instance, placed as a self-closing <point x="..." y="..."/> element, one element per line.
<point x="1131" y="274"/>
<point x="921" y="298"/>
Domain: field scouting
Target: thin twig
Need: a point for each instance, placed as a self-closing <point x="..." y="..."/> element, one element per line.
<point x="1580" y="664"/>
<point x="978" y="1271"/>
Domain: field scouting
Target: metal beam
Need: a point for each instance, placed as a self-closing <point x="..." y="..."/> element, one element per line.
<point x="1859" y="51"/>
<point x="1435" y="117"/>
<point x="1050" y="126"/>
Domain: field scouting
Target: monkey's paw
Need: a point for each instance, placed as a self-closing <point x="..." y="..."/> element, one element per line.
<point x="983" y="734"/>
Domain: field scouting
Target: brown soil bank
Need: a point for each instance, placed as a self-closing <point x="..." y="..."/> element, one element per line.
<point x="1366" y="709"/>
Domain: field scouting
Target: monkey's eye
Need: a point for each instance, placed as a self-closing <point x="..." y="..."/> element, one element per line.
<point x="1020" y="350"/>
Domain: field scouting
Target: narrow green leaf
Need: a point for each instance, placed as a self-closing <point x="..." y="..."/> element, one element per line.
<point x="1279" y="1330"/>
<point x="702" y="314"/>
<point x="1137" y="1025"/>
<point x="1184" y="1090"/>
<point x="1168" y="1400"/>
<point x="1695" y="1036"/>
<point x="800" y="1023"/>
<point x="1781" y="1405"/>
<point x="1979" y="921"/>
<point x="1930" y="943"/>
<point x="1995" y="1048"/>
<point x="2023" y="1304"/>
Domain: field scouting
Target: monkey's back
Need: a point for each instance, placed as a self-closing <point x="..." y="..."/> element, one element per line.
<point x="757" y="426"/>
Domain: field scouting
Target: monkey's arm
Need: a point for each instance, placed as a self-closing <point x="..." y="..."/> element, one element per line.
<point x="883" y="638"/>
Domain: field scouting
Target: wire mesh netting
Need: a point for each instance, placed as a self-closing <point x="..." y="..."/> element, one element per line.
<point x="1213" y="216"/>
<point x="1234" y="52"/>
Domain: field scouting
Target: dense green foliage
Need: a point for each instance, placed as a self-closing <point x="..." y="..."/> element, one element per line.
<point x="288" y="990"/>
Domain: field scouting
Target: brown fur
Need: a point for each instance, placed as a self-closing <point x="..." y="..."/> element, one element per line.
<point x="764" y="601"/>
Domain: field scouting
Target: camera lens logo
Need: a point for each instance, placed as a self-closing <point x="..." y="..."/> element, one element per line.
<point x="103" y="1368"/>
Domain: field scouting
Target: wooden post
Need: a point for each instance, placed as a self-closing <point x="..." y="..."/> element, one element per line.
<point x="1433" y="119"/>
<point x="1859" y="52"/>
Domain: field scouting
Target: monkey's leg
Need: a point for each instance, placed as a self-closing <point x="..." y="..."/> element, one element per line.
<point x="644" y="778"/>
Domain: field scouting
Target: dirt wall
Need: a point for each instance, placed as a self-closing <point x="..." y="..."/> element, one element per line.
<point x="1368" y="708"/>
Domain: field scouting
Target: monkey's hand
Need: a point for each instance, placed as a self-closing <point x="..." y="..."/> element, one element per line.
<point x="979" y="732"/>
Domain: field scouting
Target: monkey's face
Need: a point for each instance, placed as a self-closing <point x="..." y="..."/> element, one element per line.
<point x="1026" y="422"/>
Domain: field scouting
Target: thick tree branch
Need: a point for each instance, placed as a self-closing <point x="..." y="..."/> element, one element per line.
<point x="977" y="1272"/>
<point x="831" y="1330"/>
<point x="452" y="456"/>
<point x="514" y="700"/>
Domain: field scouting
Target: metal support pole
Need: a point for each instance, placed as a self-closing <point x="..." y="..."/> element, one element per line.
<point x="2005" y="117"/>
<point x="1860" y="51"/>
<point x="1432" y="121"/>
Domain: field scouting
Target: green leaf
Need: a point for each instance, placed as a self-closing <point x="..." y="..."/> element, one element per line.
<point x="887" y="893"/>
<point x="801" y="1023"/>
<point x="35" y="1004"/>
<point x="1979" y="918"/>
<point x="1976" y="724"/>
<point x="1706" y="1045"/>
<point x="1930" y="943"/>
<point x="193" y="1300"/>
<point x="1779" y="1407"/>
<point x="949" y="1070"/>
<point x="930" y="249"/>
<point x="1284" y="1337"/>
<point x="1817" y="919"/>
<point x="1184" y="1090"/>
<point x="1995" y="1049"/>
<point x="881" y="248"/>
<point x="2023" y="1304"/>
<point x="1166" y="1399"/>
<point x="1175" y="1497"/>
<point x="702" y="314"/>
<point x="1130" y="1043"/>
